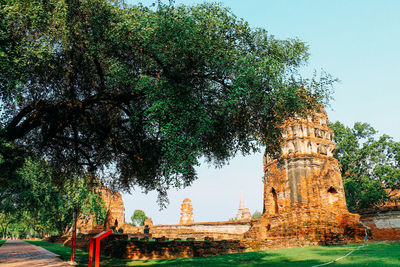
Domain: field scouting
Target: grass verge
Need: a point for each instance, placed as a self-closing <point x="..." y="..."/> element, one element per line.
<point x="81" y="257"/>
<point x="376" y="254"/>
<point x="2" y="241"/>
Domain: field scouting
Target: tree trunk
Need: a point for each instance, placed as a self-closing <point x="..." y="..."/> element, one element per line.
<point x="4" y="229"/>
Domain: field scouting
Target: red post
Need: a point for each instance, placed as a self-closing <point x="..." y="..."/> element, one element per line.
<point x="73" y="238"/>
<point x="90" y="253"/>
<point x="97" y="255"/>
<point x="73" y="246"/>
<point x="97" y="238"/>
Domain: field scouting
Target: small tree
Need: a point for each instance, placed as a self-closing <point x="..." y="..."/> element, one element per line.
<point x="370" y="164"/>
<point x="138" y="218"/>
<point x="256" y="214"/>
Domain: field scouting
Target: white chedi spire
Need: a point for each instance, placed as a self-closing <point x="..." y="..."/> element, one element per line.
<point x="243" y="213"/>
<point x="241" y="205"/>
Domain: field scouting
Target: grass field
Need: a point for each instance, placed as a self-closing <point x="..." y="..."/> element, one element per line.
<point x="2" y="241"/>
<point x="376" y="254"/>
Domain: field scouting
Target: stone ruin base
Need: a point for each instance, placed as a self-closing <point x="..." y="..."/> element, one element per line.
<point x="291" y="231"/>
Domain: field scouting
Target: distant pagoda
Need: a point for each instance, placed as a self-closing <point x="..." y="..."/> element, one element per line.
<point x="243" y="213"/>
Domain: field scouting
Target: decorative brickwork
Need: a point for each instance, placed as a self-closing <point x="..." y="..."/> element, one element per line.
<point x="304" y="199"/>
<point x="186" y="212"/>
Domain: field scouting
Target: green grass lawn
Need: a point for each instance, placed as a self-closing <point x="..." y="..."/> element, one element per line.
<point x="2" y="241"/>
<point x="376" y="254"/>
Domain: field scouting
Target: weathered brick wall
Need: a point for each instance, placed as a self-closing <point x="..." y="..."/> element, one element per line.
<point x="383" y="225"/>
<point x="216" y="230"/>
<point x="142" y="250"/>
<point x="127" y="228"/>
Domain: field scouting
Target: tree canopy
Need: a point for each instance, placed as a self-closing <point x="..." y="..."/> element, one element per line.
<point x="370" y="164"/>
<point x="256" y="214"/>
<point x="138" y="218"/>
<point x="143" y="93"/>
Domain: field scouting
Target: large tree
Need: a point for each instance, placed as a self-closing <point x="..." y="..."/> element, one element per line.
<point x="144" y="93"/>
<point x="370" y="165"/>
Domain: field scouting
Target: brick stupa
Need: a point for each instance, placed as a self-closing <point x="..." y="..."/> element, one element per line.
<point x="304" y="200"/>
<point x="186" y="212"/>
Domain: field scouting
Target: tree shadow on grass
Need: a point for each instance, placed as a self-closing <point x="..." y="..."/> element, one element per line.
<point x="260" y="258"/>
<point x="379" y="255"/>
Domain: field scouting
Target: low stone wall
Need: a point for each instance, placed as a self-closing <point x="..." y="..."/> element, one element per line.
<point x="127" y="228"/>
<point x="144" y="250"/>
<point x="231" y="227"/>
<point x="384" y="225"/>
<point x="218" y="230"/>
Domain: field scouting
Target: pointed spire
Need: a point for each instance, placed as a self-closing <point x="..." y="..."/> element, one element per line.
<point x="241" y="206"/>
<point x="243" y="213"/>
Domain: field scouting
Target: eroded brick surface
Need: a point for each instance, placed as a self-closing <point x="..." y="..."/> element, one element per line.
<point x="304" y="201"/>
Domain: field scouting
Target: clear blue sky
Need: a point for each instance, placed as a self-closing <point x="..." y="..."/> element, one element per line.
<point x="355" y="41"/>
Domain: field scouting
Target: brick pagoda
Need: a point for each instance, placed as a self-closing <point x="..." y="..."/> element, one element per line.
<point x="304" y="200"/>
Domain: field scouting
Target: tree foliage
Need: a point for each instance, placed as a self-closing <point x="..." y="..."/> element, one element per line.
<point x="256" y="214"/>
<point x="138" y="217"/>
<point x="33" y="195"/>
<point x="144" y="93"/>
<point x="370" y="164"/>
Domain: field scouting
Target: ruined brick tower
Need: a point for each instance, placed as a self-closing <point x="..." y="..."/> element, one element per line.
<point x="304" y="200"/>
<point x="115" y="216"/>
<point x="306" y="175"/>
<point x="186" y="212"/>
<point x="115" y="208"/>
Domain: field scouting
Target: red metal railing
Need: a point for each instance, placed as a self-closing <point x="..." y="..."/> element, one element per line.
<point x="97" y="238"/>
